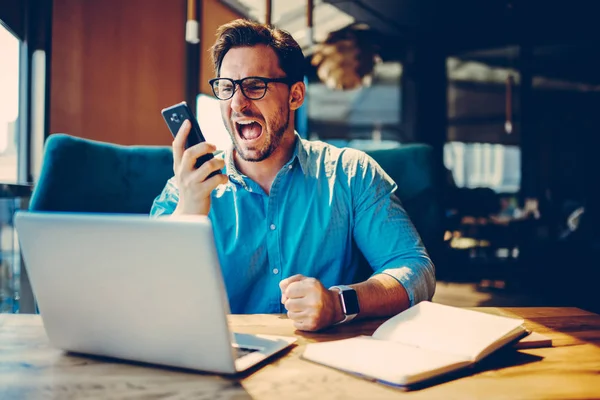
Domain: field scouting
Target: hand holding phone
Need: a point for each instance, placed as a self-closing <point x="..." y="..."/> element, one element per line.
<point x="197" y="171"/>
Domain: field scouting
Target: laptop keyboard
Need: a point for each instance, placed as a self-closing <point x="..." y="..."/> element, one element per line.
<point x="243" y="351"/>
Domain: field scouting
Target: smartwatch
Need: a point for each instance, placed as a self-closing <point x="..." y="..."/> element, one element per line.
<point x="349" y="301"/>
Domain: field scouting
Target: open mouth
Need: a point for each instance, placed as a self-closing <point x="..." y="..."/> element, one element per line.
<point x="249" y="130"/>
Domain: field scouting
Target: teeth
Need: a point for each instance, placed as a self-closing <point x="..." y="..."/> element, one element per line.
<point x="245" y="122"/>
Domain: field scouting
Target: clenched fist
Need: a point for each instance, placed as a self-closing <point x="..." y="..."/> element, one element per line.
<point x="310" y="305"/>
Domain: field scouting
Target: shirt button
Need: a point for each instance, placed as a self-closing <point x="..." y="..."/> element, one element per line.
<point x="272" y="227"/>
<point x="290" y="166"/>
<point x="275" y="271"/>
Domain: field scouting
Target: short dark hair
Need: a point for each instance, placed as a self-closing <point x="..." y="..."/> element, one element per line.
<point x="242" y="32"/>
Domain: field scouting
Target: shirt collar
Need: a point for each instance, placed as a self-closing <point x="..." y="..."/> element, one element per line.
<point x="299" y="154"/>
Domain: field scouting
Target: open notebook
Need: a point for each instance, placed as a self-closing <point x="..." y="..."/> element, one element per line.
<point x="423" y="342"/>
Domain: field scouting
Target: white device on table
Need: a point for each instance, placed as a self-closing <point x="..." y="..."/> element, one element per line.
<point x="136" y="288"/>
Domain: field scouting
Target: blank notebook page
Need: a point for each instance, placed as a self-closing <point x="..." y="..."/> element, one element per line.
<point x="447" y="329"/>
<point x="388" y="361"/>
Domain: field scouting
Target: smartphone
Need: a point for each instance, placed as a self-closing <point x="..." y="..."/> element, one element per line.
<point x="174" y="116"/>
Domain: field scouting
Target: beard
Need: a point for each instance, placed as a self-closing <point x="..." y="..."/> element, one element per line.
<point x="272" y="135"/>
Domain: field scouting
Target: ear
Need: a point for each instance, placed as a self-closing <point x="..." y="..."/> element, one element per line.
<point x="297" y="92"/>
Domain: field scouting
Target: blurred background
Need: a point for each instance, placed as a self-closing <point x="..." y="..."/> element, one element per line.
<point x="505" y="94"/>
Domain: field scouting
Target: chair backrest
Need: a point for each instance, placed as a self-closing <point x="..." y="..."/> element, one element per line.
<point x="412" y="167"/>
<point x="82" y="175"/>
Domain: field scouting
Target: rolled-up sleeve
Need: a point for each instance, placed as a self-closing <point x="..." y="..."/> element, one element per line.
<point x="166" y="202"/>
<point x="385" y="234"/>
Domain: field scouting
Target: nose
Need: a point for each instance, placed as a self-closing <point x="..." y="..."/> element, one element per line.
<point x="239" y="102"/>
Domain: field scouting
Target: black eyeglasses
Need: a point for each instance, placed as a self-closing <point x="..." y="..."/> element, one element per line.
<point x="253" y="87"/>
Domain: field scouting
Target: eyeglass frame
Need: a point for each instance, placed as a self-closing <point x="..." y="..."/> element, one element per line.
<point x="237" y="83"/>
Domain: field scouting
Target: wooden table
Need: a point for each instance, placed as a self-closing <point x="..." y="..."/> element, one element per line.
<point x="31" y="369"/>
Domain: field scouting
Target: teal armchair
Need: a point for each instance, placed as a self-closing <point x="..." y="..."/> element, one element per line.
<point x="412" y="167"/>
<point x="82" y="175"/>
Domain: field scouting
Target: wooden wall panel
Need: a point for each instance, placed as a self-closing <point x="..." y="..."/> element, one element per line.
<point x="115" y="65"/>
<point x="214" y="14"/>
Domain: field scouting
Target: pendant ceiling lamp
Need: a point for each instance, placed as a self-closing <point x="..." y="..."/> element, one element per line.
<point x="347" y="57"/>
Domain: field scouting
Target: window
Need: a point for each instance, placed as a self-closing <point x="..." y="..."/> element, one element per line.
<point x="9" y="112"/>
<point x="23" y="125"/>
<point x="480" y="151"/>
<point x="368" y="116"/>
<point x="495" y="166"/>
<point x="9" y="105"/>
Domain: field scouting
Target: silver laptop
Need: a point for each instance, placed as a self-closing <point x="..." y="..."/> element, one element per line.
<point x="136" y="288"/>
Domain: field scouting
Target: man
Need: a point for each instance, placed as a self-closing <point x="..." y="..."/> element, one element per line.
<point x="291" y="217"/>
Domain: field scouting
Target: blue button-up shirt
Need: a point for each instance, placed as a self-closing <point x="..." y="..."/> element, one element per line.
<point x="326" y="207"/>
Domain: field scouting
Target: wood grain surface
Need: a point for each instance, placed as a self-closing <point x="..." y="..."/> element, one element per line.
<point x="30" y="368"/>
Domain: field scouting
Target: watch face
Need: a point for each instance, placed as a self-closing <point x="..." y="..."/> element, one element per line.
<point x="351" y="302"/>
